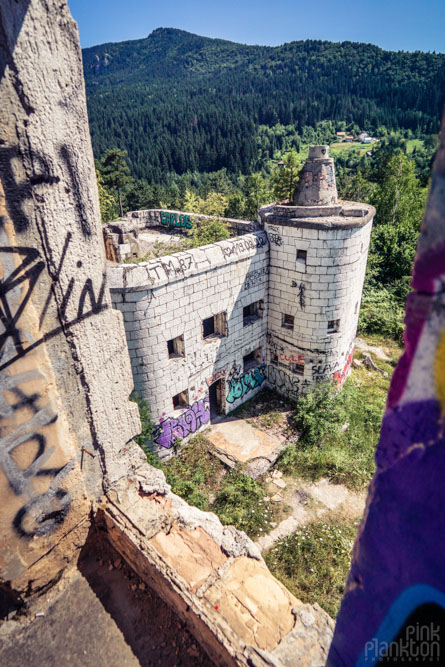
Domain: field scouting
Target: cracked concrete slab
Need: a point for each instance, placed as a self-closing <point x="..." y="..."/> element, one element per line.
<point x="236" y="441"/>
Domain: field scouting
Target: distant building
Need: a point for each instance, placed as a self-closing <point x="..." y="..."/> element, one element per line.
<point x="341" y="134"/>
<point x="348" y="138"/>
<point x="363" y="136"/>
<point x="280" y="164"/>
<point x="366" y="140"/>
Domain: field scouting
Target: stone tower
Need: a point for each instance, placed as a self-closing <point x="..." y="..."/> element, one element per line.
<point x="318" y="253"/>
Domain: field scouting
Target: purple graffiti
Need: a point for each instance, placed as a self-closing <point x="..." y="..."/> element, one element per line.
<point x="189" y="422"/>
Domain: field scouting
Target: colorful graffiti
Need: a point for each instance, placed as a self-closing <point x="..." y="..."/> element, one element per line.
<point x="173" y="220"/>
<point x="187" y="423"/>
<point x="241" y="384"/>
<point x="292" y="358"/>
<point x="340" y="376"/>
<point x="397" y="580"/>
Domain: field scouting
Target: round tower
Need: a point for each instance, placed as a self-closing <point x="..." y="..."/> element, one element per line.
<point x="318" y="253"/>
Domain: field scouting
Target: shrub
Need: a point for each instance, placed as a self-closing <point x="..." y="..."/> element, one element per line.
<point x="381" y="313"/>
<point x="240" y="503"/>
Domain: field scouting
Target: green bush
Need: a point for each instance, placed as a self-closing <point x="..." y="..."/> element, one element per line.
<point x="144" y="438"/>
<point x="381" y="313"/>
<point x="240" y="503"/>
<point x="338" y="431"/>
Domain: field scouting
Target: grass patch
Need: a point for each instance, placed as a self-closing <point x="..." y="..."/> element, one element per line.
<point x="327" y="447"/>
<point x="313" y="562"/>
<point x="203" y="481"/>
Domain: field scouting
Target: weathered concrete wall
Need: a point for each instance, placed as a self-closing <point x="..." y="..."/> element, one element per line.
<point x="170" y="297"/>
<point x="124" y="238"/>
<point x="63" y="358"/>
<point x="396" y="585"/>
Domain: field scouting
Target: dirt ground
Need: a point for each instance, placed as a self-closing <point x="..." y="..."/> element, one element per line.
<point x="104" y="616"/>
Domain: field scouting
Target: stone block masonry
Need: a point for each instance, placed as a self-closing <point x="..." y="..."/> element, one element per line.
<point x="207" y="328"/>
<point x="187" y="330"/>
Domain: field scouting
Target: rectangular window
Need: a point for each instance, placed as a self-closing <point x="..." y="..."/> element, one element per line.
<point x="298" y="368"/>
<point x="333" y="326"/>
<point x="253" y="359"/>
<point x="287" y="321"/>
<point x="175" y="348"/>
<point x="301" y="259"/>
<point x="252" y="312"/>
<point x="215" y="326"/>
<point x="181" y="400"/>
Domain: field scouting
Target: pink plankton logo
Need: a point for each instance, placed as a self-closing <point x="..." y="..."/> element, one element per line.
<point x="419" y="643"/>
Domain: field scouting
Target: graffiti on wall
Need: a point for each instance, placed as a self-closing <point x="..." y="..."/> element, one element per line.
<point x="289" y="385"/>
<point x="255" y="277"/>
<point x="340" y="376"/>
<point x="240" y="384"/>
<point x="33" y="457"/>
<point x="174" y="428"/>
<point x="28" y="417"/>
<point x="239" y="246"/>
<point x="175" y="220"/>
<point x="396" y="583"/>
<point x="276" y="239"/>
<point x="291" y="358"/>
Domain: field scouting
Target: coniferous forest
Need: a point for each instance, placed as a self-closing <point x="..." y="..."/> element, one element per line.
<point x="178" y="102"/>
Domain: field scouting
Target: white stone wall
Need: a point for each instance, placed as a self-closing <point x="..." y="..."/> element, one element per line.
<point x="170" y="297"/>
<point x="326" y="287"/>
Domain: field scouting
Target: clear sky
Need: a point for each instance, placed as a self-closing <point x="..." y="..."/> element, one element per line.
<point x="407" y="25"/>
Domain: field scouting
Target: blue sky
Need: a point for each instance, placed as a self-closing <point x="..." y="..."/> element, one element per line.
<point x="407" y="25"/>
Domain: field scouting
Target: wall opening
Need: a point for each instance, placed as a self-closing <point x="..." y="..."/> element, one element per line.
<point x="301" y="259"/>
<point x="252" y="360"/>
<point x="181" y="400"/>
<point x="287" y="321"/>
<point x="215" y="326"/>
<point x="175" y="348"/>
<point x="253" y="312"/>
<point x="216" y="398"/>
<point x="333" y="326"/>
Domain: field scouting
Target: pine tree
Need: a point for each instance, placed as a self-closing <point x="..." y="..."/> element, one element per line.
<point x="115" y="172"/>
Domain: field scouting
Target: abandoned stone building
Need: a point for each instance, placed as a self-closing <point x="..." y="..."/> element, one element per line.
<point x="277" y="305"/>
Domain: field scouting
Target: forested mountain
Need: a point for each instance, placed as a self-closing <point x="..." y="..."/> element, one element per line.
<point x="178" y="102"/>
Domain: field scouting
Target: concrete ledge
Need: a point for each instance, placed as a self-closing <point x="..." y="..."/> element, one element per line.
<point x="212" y="576"/>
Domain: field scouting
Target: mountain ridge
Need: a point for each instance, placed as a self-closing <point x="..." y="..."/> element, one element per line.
<point x="192" y="92"/>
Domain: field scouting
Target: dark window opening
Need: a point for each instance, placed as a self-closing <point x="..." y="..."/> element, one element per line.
<point x="333" y="326"/>
<point x="180" y="400"/>
<point x="175" y="347"/>
<point x="298" y="369"/>
<point x="287" y="321"/>
<point x="301" y="259"/>
<point x="215" y="326"/>
<point x="252" y="312"/>
<point x="252" y="360"/>
<point x="208" y="327"/>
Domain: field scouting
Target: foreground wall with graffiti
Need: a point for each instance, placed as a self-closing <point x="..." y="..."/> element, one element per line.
<point x="64" y="371"/>
<point x="394" y="605"/>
